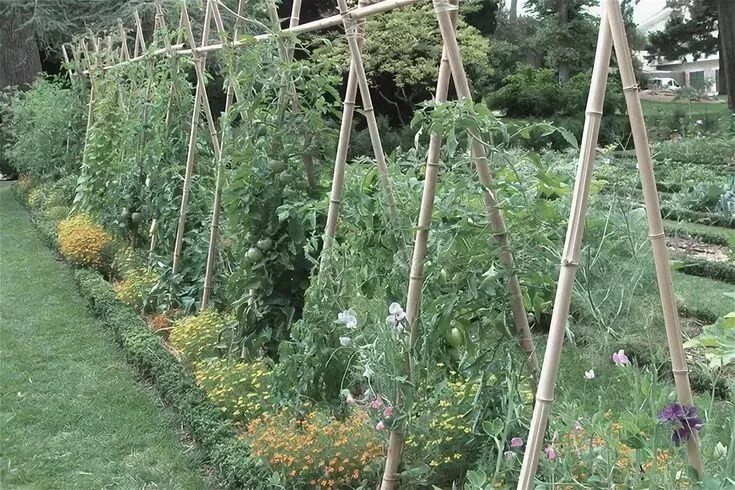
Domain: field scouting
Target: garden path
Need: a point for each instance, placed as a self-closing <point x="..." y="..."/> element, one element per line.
<point x="71" y="412"/>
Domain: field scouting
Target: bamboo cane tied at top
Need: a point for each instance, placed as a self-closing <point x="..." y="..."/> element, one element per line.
<point x="191" y="151"/>
<point x="492" y="207"/>
<point x="343" y="145"/>
<point x="570" y="258"/>
<point x="655" y="223"/>
<point x="415" y="282"/>
<point x="217" y="204"/>
<point x="367" y="106"/>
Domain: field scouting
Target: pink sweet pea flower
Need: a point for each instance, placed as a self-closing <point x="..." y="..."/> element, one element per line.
<point x="620" y="359"/>
<point x="377" y="403"/>
<point x="380" y="426"/>
<point x="516" y="442"/>
<point x="388" y="412"/>
<point x="550" y="453"/>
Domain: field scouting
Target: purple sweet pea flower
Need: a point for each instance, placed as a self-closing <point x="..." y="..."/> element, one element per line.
<point x="550" y="453"/>
<point x="516" y="442"/>
<point x="685" y="420"/>
<point x="620" y="359"/>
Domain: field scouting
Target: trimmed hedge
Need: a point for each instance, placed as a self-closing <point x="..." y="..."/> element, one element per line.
<point x="680" y="214"/>
<point x="228" y="455"/>
<point x="719" y="271"/>
<point x="710" y="237"/>
<point x="144" y="349"/>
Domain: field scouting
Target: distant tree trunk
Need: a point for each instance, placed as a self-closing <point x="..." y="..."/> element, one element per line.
<point x="726" y="24"/>
<point x="722" y="75"/>
<point x="19" y="58"/>
<point x="513" y="15"/>
<point x="563" y="21"/>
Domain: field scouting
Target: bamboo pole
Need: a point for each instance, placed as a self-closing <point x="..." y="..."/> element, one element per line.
<point x="416" y="276"/>
<point x="655" y="223"/>
<point x="139" y="46"/>
<point x="217" y="205"/>
<point x="570" y="257"/>
<point x="191" y="151"/>
<point x="351" y="29"/>
<point x="334" y="20"/>
<point x="492" y="207"/>
<point x="124" y="53"/>
<point x="90" y="104"/>
<point x="343" y="145"/>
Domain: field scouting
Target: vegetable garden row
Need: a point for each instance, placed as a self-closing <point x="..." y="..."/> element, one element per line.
<point x="275" y="271"/>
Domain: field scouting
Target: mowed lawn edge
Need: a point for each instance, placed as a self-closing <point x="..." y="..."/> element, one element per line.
<point x="71" y="412"/>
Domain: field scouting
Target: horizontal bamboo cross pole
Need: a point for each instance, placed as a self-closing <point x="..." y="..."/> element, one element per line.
<point x="327" y="22"/>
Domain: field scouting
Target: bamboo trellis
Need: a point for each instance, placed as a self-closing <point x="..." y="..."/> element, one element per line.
<point x="612" y="33"/>
<point x="353" y="22"/>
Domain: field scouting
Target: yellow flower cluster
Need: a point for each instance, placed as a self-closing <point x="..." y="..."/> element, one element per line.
<point x="37" y="198"/>
<point x="82" y="241"/>
<point x="135" y="287"/>
<point x="195" y="337"/>
<point x="448" y="425"/>
<point x="317" y="450"/>
<point x="240" y="389"/>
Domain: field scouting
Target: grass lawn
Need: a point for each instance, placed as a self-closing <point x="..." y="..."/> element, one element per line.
<point x="696" y="229"/>
<point x="697" y="108"/>
<point x="71" y="412"/>
<point x="702" y="297"/>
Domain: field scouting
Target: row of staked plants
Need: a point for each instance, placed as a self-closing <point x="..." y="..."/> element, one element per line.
<point x="307" y="362"/>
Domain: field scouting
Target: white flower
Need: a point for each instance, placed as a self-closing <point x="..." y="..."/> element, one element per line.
<point x="720" y="450"/>
<point x="590" y="374"/>
<point x="345" y="341"/>
<point x="347" y="318"/>
<point x="699" y="121"/>
<point x="396" y="316"/>
<point x="368" y="373"/>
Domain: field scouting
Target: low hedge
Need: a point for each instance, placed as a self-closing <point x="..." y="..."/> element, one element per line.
<point x="144" y="349"/>
<point x="225" y="452"/>
<point x="704" y="236"/>
<point x="719" y="271"/>
<point x="680" y="214"/>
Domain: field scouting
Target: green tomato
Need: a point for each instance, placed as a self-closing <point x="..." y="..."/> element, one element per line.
<point x="251" y="238"/>
<point x="254" y="254"/>
<point x="443" y="277"/>
<point x="276" y="166"/>
<point x="135" y="217"/>
<point x="124" y="213"/>
<point x="285" y="178"/>
<point x="265" y="244"/>
<point x="455" y="337"/>
<point x="454" y="354"/>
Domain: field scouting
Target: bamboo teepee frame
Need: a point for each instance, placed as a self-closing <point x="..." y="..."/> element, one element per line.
<point x="353" y="21"/>
<point x="612" y="33"/>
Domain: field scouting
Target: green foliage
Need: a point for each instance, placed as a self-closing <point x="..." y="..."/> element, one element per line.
<point x="43" y="130"/>
<point x="537" y="92"/>
<point x="717" y="341"/>
<point x="711" y="150"/>
<point x="409" y="75"/>
<point x="272" y="213"/>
